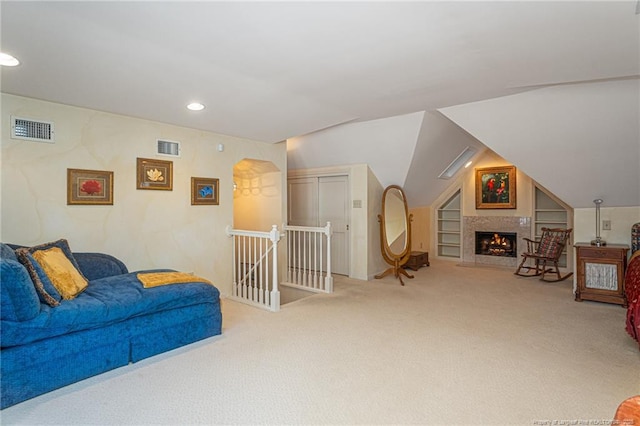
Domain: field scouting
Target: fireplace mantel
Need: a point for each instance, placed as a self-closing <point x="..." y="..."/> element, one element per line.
<point x="470" y="224"/>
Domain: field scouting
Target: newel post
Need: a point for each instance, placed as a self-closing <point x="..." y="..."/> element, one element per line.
<point x="329" y="278"/>
<point x="274" y="236"/>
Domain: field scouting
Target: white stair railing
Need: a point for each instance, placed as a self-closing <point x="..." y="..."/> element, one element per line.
<point x="309" y="258"/>
<point x="255" y="268"/>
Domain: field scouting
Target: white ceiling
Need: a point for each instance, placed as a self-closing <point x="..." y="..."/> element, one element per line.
<point x="270" y="71"/>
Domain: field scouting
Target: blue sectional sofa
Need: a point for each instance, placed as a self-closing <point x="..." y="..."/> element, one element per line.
<point x="113" y="322"/>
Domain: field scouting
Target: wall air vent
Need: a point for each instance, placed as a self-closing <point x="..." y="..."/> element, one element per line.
<point x="169" y="148"/>
<point x="32" y="130"/>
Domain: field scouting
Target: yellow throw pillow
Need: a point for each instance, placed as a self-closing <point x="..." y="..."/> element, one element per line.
<point x="63" y="275"/>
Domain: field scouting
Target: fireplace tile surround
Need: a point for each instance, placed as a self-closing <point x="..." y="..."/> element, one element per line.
<point x="472" y="224"/>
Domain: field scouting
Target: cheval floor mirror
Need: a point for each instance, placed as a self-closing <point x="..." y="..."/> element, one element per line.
<point x="395" y="232"/>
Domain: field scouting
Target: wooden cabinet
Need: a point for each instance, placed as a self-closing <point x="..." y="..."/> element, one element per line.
<point x="417" y="259"/>
<point x="600" y="275"/>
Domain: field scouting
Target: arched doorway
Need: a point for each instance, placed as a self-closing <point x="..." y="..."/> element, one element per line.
<point x="257" y="195"/>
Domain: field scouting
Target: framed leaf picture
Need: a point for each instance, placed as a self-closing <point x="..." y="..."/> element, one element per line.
<point x="154" y="174"/>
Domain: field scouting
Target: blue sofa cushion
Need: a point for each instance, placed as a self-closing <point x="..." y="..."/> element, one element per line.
<point x="18" y="298"/>
<point x="99" y="265"/>
<point x="41" y="282"/>
<point x="106" y="301"/>
<point x="7" y="252"/>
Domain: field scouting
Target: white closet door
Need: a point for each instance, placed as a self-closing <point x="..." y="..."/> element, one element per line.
<point x="314" y="201"/>
<point x="333" y="206"/>
<point x="303" y="201"/>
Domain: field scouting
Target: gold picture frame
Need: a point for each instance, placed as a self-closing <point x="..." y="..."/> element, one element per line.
<point x="89" y="187"/>
<point x="205" y="191"/>
<point x="154" y="174"/>
<point x="496" y="187"/>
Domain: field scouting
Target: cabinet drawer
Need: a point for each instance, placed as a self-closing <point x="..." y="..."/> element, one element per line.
<point x="601" y="253"/>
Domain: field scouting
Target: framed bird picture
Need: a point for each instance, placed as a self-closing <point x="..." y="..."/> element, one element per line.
<point x="496" y="187"/>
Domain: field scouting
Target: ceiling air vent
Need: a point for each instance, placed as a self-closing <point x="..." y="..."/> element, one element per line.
<point x="169" y="148"/>
<point x="32" y="130"/>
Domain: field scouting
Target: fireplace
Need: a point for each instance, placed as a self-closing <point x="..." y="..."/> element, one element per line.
<point x="496" y="244"/>
<point x="518" y="225"/>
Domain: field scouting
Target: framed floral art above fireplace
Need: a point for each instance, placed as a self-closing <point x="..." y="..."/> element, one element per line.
<point x="496" y="187"/>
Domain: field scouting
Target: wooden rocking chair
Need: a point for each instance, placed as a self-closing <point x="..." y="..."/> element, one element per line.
<point x="545" y="254"/>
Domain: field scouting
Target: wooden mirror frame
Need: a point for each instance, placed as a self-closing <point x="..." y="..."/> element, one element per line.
<point x="396" y="260"/>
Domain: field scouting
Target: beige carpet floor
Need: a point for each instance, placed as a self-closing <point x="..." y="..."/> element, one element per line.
<point x="456" y="345"/>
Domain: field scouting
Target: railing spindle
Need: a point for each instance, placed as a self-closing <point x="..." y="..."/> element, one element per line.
<point x="307" y="256"/>
<point x="252" y="253"/>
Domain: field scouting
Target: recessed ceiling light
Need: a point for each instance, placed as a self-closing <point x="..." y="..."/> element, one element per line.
<point x="195" y="106"/>
<point x="8" y="60"/>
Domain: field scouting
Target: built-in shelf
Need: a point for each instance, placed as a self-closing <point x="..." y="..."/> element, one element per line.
<point x="449" y="227"/>
<point x="550" y="212"/>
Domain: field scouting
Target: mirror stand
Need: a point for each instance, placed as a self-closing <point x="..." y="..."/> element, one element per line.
<point x="395" y="232"/>
<point x="397" y="270"/>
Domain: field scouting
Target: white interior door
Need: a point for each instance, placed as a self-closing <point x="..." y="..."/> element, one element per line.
<point x="314" y="201"/>
<point x="303" y="201"/>
<point x="333" y="206"/>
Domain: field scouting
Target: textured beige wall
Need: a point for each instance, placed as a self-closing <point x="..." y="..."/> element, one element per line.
<point x="146" y="229"/>
<point x="257" y="202"/>
<point x="376" y="263"/>
<point x="622" y="218"/>
<point x="420" y="229"/>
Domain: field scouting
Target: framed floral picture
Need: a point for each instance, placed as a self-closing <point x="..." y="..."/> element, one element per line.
<point x="204" y="191"/>
<point x="154" y="174"/>
<point x="496" y="188"/>
<point x="89" y="187"/>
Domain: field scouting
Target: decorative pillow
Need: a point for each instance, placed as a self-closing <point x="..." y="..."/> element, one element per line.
<point x="18" y="298"/>
<point x="43" y="285"/>
<point x="549" y="246"/>
<point x="47" y="292"/>
<point x="64" y="246"/>
<point x="63" y="274"/>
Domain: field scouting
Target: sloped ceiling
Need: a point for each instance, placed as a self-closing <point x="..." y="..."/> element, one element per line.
<point x="439" y="143"/>
<point x="388" y="145"/>
<point x="271" y="71"/>
<point x="582" y="140"/>
<point x="274" y="70"/>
